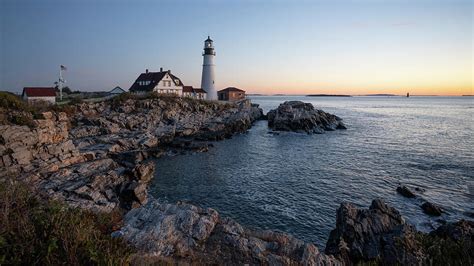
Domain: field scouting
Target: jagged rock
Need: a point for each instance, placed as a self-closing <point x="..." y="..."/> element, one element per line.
<point x="144" y="171"/>
<point x="44" y="147"/>
<point x="432" y="209"/>
<point x="302" y="117"/>
<point x="462" y="230"/>
<point x="94" y="185"/>
<point x="377" y="234"/>
<point x="132" y="192"/>
<point x="406" y="192"/>
<point x="186" y="232"/>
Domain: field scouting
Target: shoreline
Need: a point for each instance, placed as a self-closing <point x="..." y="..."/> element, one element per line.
<point x="113" y="160"/>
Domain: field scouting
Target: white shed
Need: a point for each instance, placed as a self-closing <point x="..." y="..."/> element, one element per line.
<point x="35" y="94"/>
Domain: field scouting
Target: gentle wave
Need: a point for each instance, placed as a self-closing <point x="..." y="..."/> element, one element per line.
<point x="294" y="182"/>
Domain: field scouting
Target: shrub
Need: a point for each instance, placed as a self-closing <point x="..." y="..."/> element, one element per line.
<point x="120" y="99"/>
<point x="447" y="251"/>
<point x="12" y="102"/>
<point x="22" y="119"/>
<point x="38" y="231"/>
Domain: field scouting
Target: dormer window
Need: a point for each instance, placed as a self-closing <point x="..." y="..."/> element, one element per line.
<point x="144" y="83"/>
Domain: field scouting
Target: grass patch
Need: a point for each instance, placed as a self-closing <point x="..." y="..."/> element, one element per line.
<point x="13" y="110"/>
<point x="36" y="231"/>
<point x="11" y="101"/>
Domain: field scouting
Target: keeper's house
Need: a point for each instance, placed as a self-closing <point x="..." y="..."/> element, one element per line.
<point x="39" y="94"/>
<point x="231" y="94"/>
<point x="160" y="82"/>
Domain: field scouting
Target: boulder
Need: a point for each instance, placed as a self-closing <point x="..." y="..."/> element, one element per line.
<point x="302" y="117"/>
<point x="432" y="209"/>
<point x="406" y="192"/>
<point x="169" y="229"/>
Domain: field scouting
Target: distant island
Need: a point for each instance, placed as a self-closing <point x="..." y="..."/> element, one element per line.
<point x="380" y="94"/>
<point x="328" y="95"/>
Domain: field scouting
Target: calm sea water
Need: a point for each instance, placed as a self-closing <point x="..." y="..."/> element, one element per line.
<point x="294" y="182"/>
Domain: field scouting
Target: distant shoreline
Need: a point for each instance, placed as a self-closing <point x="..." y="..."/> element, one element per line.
<point x="328" y="95"/>
<point x="355" y="95"/>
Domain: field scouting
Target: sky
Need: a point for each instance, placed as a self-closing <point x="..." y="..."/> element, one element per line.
<point x="424" y="47"/>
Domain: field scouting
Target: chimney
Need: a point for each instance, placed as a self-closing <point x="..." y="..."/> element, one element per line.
<point x="161" y="69"/>
<point x="146" y="71"/>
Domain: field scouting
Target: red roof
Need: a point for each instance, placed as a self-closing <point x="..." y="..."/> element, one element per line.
<point x="188" y="89"/>
<point x="231" y="89"/>
<point x="39" y="91"/>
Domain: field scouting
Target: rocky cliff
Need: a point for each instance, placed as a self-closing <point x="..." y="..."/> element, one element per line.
<point x="95" y="157"/>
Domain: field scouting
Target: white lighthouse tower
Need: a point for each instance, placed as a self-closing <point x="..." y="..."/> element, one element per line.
<point x="208" y="75"/>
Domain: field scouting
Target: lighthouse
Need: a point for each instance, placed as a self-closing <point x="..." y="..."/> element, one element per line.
<point x="208" y="75"/>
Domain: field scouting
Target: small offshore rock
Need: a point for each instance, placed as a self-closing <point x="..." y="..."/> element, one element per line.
<point x="406" y="192"/>
<point x="431" y="209"/>
<point x="302" y="117"/>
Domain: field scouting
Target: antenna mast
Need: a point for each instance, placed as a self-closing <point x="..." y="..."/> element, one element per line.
<point x="61" y="81"/>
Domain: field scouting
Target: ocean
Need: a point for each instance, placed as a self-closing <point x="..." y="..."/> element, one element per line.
<point x="293" y="182"/>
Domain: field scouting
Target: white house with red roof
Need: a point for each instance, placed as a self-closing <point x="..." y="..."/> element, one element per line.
<point x="36" y="94"/>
